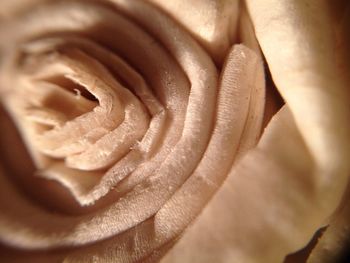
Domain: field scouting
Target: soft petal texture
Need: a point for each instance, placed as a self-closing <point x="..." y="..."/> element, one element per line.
<point x="212" y="22"/>
<point x="139" y="116"/>
<point x="254" y="216"/>
<point x="309" y="82"/>
<point x="178" y="212"/>
<point x="288" y="187"/>
<point x="336" y="238"/>
<point x="312" y="85"/>
<point x="126" y="115"/>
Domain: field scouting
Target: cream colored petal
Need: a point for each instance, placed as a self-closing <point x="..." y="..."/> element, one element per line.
<point x="242" y="77"/>
<point x="254" y="217"/>
<point x="139" y="197"/>
<point x="152" y="192"/>
<point x="212" y="22"/>
<point x="297" y="39"/>
<point x="335" y="240"/>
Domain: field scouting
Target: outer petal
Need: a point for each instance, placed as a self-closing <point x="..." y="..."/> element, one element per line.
<point x="297" y="39"/>
<point x="253" y="217"/>
<point x="283" y="191"/>
<point x="213" y="23"/>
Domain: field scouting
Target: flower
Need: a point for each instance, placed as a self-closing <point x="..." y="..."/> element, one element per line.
<point x="142" y="125"/>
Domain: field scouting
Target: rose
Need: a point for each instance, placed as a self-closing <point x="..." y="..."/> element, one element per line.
<point x="148" y="209"/>
<point x="89" y="133"/>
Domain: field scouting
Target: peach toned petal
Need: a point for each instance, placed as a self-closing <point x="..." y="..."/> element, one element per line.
<point x="253" y="217"/>
<point x="213" y="23"/>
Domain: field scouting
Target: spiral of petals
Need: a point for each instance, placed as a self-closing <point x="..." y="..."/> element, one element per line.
<point x="130" y="116"/>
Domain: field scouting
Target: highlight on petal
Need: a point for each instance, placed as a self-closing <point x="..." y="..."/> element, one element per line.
<point x="309" y="82"/>
<point x="213" y="23"/>
<point x="309" y="78"/>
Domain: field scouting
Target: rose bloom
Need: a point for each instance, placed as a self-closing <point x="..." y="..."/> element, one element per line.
<point x="174" y="131"/>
